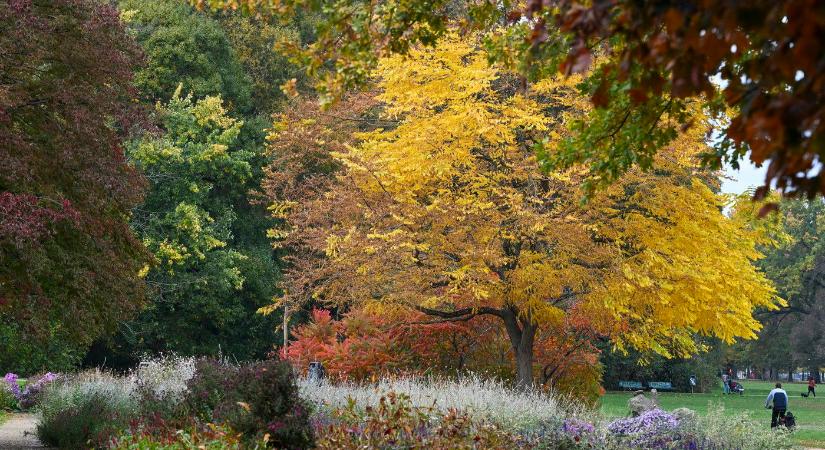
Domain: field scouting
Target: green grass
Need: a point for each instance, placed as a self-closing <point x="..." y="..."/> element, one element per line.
<point x="809" y="412"/>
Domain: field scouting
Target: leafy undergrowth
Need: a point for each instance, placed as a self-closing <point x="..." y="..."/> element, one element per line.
<point x="186" y="404"/>
<point x="177" y="403"/>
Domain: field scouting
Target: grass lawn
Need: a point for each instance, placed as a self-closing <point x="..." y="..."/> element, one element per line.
<point x="809" y="412"/>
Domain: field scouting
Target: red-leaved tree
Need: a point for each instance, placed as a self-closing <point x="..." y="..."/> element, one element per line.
<point x="68" y="261"/>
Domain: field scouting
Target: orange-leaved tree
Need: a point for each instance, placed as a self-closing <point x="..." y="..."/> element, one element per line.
<point x="365" y="344"/>
<point x="441" y="209"/>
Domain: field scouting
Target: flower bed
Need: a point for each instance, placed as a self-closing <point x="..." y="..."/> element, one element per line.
<point x="28" y="396"/>
<point x="177" y="403"/>
<point x="474" y="413"/>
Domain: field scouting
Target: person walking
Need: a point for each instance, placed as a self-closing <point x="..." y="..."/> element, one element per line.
<point x="780" y="404"/>
<point x="811" y="386"/>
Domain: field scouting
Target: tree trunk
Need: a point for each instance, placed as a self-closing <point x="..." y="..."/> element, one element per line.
<point x="522" y="333"/>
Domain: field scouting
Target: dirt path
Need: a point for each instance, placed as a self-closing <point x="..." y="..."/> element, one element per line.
<point x="18" y="432"/>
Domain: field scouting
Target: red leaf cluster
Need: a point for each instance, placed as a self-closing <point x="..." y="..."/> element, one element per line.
<point x="66" y="190"/>
<point x="367" y="345"/>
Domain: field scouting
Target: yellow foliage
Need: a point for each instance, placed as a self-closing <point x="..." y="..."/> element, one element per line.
<point x="448" y="209"/>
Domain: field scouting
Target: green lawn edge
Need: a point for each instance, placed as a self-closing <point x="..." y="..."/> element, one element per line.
<point x="809" y="412"/>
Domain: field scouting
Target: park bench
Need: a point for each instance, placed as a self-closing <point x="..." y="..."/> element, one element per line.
<point x="630" y="385"/>
<point x="660" y="385"/>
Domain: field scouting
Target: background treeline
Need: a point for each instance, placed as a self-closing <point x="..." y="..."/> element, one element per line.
<point x="202" y="87"/>
<point x="135" y="202"/>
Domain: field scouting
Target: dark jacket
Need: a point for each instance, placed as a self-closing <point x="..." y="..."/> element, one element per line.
<point x="779" y="397"/>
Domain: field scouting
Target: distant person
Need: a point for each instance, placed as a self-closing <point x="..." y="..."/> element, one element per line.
<point x="780" y="404"/>
<point x="811" y="387"/>
<point x="725" y="386"/>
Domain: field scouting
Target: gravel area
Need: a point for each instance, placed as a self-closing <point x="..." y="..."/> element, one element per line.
<point x="18" y="432"/>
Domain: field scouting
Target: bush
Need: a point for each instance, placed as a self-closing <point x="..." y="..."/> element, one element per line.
<point x="263" y="399"/>
<point x="396" y="423"/>
<point x="651" y="429"/>
<point x="206" y="437"/>
<point x="483" y="399"/>
<point x="717" y="430"/>
<point x="255" y="400"/>
<point x="209" y="387"/>
<point x="26" y="398"/>
<point x="162" y="385"/>
<point x="86" y="410"/>
<point x="31" y="395"/>
<point x="89" y="423"/>
<point x="7" y="399"/>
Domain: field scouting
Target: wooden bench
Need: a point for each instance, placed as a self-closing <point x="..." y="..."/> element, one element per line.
<point x="630" y="385"/>
<point x="660" y="385"/>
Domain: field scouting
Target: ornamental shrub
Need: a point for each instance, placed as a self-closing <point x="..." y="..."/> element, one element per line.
<point x="88" y="423"/>
<point x="86" y="410"/>
<point x="396" y="423"/>
<point x="32" y="393"/>
<point x="162" y="385"/>
<point x="263" y="399"/>
<point x="651" y="429"/>
<point x="24" y="398"/>
<point x="205" y="437"/>
<point x="210" y="386"/>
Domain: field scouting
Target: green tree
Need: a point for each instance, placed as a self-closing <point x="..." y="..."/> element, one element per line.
<point x="213" y="267"/>
<point x="183" y="46"/>
<point x="254" y="39"/>
<point x="794" y="336"/>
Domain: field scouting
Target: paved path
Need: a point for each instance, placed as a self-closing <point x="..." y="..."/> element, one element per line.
<point x="18" y="432"/>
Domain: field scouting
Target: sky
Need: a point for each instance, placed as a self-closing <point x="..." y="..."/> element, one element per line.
<point x="740" y="180"/>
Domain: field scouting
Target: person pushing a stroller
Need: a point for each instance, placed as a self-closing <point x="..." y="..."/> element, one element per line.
<point x="780" y="405"/>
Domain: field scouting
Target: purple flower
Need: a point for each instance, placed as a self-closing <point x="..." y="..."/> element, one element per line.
<point x="652" y="429"/>
<point x="28" y="396"/>
<point x="11" y="381"/>
<point x="576" y="428"/>
<point x="47" y="378"/>
<point x="275" y="426"/>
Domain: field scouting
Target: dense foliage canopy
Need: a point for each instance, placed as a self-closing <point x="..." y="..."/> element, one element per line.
<point x="184" y="47"/>
<point x="443" y="211"/>
<point x="212" y="268"/>
<point x="657" y="57"/>
<point x="68" y="260"/>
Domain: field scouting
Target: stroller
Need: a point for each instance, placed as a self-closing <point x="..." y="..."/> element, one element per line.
<point x="736" y="388"/>
<point x="789" y="421"/>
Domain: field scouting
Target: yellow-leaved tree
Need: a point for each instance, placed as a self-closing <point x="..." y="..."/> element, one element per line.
<point x="441" y="208"/>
